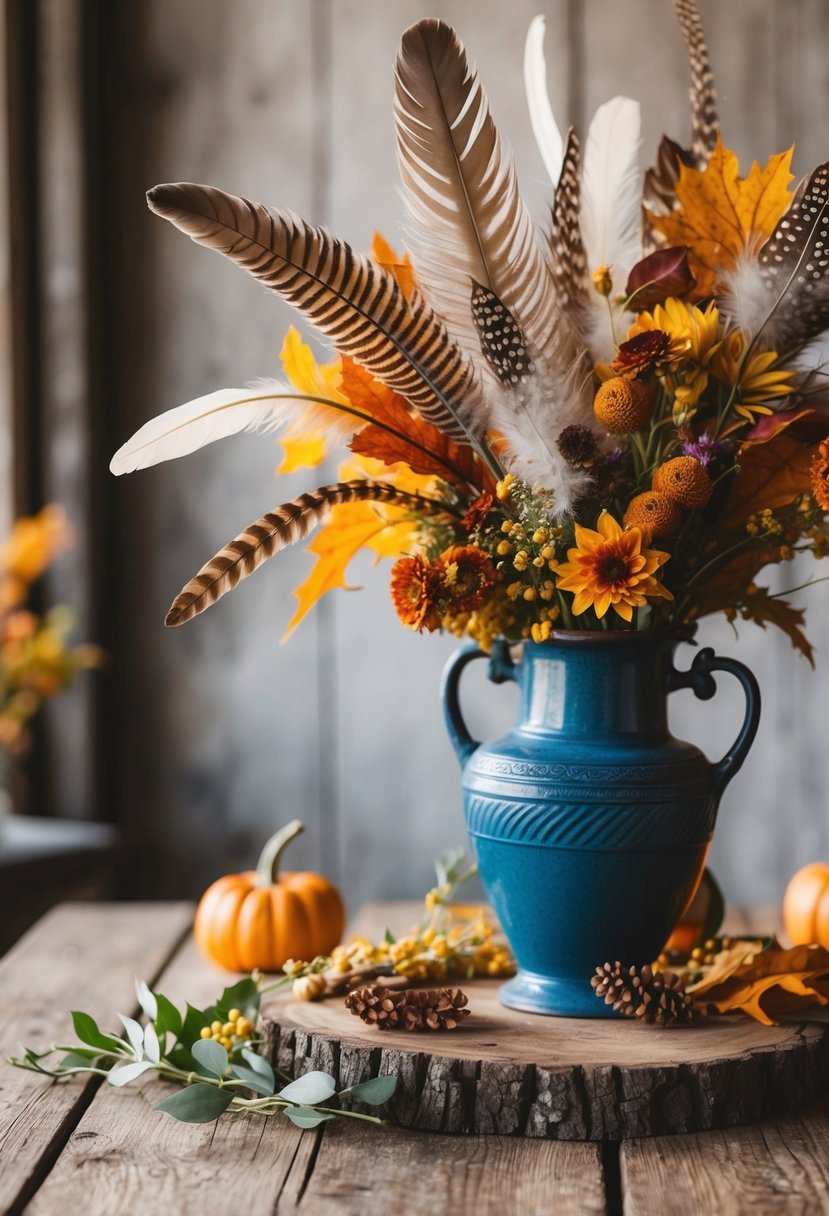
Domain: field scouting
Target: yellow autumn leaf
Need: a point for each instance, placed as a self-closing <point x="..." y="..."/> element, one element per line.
<point x="350" y="527"/>
<point x="399" y="475"/>
<point x="304" y="445"/>
<point x="301" y="452"/>
<point x="720" y="214"/>
<point x="766" y="984"/>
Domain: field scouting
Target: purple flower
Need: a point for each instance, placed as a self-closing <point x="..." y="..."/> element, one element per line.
<point x="704" y="449"/>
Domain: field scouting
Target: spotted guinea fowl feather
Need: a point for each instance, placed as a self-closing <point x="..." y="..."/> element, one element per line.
<point x="284" y="526"/>
<point x="350" y="298"/>
<point x="460" y="189"/>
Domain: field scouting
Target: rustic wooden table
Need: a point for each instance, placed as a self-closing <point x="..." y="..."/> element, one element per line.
<point x="81" y="1147"/>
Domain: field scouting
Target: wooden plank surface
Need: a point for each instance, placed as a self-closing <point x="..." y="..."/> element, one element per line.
<point x="776" y="1168"/>
<point x="124" y="1158"/>
<point x="359" y="1170"/>
<point x="77" y="957"/>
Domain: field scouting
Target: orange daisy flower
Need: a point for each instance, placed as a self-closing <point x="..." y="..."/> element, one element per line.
<point x="609" y="568"/>
<point x="819" y="474"/>
<point x="415" y="587"/>
<point x="468" y="577"/>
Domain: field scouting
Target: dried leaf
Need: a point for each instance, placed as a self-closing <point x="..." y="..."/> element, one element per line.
<point x="765" y="609"/>
<point x="771" y="425"/>
<point x="721" y="214"/>
<point x="304" y="447"/>
<point x="771" y="475"/>
<point x="351" y="527"/>
<point x="421" y="446"/>
<point x="659" y="275"/>
<point x="766" y="984"/>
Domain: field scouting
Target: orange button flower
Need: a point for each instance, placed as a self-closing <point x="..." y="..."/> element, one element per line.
<point x="609" y="567"/>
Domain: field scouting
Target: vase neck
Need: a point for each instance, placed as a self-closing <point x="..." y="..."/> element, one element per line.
<point x="585" y="690"/>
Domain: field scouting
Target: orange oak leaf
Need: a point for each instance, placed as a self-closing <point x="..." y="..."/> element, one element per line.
<point x="771" y="475"/>
<point x="417" y="443"/>
<point x="350" y="527"/>
<point x="720" y="214"/>
<point x="400" y="267"/>
<point x="766" y="984"/>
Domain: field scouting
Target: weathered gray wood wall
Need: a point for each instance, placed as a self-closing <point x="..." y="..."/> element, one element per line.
<point x="222" y="734"/>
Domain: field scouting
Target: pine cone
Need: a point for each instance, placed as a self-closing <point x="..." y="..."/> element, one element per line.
<point x="412" y="1009"/>
<point x="654" y="996"/>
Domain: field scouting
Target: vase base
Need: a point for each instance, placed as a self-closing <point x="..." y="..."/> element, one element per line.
<point x="562" y="997"/>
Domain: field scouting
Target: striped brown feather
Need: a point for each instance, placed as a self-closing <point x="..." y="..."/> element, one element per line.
<point x="286" y="525"/>
<point x="567" y="257"/>
<point x="704" y="121"/>
<point x="355" y="302"/>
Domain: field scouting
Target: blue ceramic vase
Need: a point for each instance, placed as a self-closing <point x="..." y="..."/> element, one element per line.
<point x="591" y="823"/>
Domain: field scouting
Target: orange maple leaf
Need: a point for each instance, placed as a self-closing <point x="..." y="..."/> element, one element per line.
<point x="417" y="443"/>
<point x="401" y="267"/>
<point x="721" y="214"/>
<point x="350" y="527"/>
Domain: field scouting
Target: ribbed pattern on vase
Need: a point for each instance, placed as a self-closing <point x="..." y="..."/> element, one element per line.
<point x="655" y="825"/>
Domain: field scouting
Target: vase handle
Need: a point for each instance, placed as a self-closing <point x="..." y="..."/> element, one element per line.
<point x="699" y="677"/>
<point x="501" y="668"/>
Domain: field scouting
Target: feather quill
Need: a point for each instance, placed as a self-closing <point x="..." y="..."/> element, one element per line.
<point x="460" y="189"/>
<point x="348" y="297"/>
<point x="544" y="125"/>
<point x="263" y="408"/>
<point x="284" y="526"/>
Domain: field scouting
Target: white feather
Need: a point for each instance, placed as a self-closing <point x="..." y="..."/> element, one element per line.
<point x="746" y="299"/>
<point x="531" y="433"/>
<point x="263" y="407"/>
<point x="611" y="189"/>
<point x="544" y="125"/>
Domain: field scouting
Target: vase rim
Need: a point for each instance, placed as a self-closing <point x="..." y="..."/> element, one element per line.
<point x="615" y="637"/>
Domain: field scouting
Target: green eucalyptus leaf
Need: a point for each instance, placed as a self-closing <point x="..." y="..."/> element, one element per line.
<point x="122" y="1074"/>
<point x="259" y="1065"/>
<point x="168" y="1018"/>
<point x="77" y="1059"/>
<point x="194" y="1021"/>
<point x="306" y="1116"/>
<point x="86" y="1028"/>
<point x="374" y="1092"/>
<point x="310" y="1089"/>
<point x="389" y="938"/>
<point x="253" y="1080"/>
<point x="211" y="1055"/>
<point x="146" y="1000"/>
<point x="243" y="995"/>
<point x="196" y="1103"/>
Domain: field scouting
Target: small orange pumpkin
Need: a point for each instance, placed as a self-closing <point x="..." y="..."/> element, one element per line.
<point x="261" y="918"/>
<point x="806" y="905"/>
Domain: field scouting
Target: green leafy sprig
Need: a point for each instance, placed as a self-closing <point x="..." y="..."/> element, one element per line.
<point x="214" y="1078"/>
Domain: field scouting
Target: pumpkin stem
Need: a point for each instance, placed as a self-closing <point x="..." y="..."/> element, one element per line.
<point x="266" y="867"/>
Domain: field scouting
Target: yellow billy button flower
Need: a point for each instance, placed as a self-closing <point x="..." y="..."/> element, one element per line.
<point x="609" y="568"/>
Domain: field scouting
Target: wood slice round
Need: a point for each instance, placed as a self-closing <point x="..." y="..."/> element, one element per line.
<point x="503" y="1072"/>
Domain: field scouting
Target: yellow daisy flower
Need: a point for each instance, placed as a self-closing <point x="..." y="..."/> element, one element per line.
<point x="609" y="568"/>
<point x="760" y="381"/>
